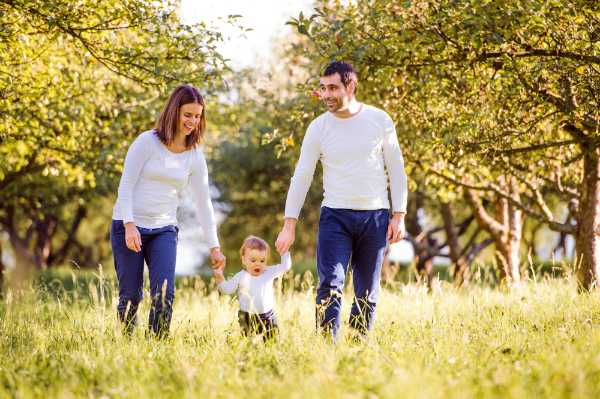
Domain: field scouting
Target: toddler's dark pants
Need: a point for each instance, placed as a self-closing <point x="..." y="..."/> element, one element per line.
<point x="265" y="323"/>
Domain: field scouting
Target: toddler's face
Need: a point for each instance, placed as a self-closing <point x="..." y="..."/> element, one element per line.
<point x="255" y="261"/>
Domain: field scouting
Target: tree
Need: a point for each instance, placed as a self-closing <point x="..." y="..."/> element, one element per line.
<point x="80" y="80"/>
<point x="501" y="97"/>
<point x="249" y="165"/>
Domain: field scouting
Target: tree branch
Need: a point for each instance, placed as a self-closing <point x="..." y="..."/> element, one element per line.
<point x="424" y="247"/>
<point x="555" y="226"/>
<point x="538" y="147"/>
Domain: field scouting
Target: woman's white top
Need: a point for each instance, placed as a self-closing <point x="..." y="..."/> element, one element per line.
<point x="256" y="292"/>
<point x="150" y="184"/>
<point x="354" y="153"/>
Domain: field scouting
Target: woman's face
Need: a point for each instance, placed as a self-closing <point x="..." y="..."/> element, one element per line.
<point x="189" y="117"/>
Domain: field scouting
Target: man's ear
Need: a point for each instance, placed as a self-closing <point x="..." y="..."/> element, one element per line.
<point x="352" y="88"/>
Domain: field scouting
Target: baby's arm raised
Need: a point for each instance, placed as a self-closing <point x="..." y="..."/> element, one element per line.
<point x="226" y="287"/>
<point x="283" y="267"/>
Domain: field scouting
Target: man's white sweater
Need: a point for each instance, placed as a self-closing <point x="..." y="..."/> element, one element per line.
<point x="353" y="152"/>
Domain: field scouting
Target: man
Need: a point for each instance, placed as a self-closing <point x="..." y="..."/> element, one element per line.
<point x="353" y="141"/>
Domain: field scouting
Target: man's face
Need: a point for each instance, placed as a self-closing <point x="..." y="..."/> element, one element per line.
<point x="335" y="94"/>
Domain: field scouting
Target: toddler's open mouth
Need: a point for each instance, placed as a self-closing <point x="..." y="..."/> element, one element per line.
<point x="256" y="270"/>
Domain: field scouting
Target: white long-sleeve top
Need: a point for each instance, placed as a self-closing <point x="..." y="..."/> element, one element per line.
<point x="353" y="152"/>
<point x="150" y="184"/>
<point x="256" y="292"/>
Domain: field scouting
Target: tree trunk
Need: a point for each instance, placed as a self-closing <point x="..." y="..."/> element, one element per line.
<point x="60" y="255"/>
<point x="424" y="267"/>
<point x="23" y="259"/>
<point x="462" y="270"/>
<point x="2" y="271"/>
<point x="510" y="240"/>
<point x="505" y="228"/>
<point x="588" y="221"/>
<point x="45" y="230"/>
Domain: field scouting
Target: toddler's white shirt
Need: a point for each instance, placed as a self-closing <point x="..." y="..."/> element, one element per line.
<point x="256" y="292"/>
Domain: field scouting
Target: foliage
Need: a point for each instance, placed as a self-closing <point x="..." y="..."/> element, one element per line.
<point x="79" y="81"/>
<point x="247" y="157"/>
<point x="483" y="90"/>
<point x="540" y="342"/>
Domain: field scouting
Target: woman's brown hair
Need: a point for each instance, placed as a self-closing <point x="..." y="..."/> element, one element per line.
<point x="166" y="127"/>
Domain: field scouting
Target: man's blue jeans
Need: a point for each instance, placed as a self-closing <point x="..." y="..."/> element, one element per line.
<point x="159" y="251"/>
<point x="355" y="237"/>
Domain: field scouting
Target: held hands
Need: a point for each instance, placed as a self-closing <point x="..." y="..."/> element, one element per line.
<point x="133" y="238"/>
<point x="218" y="259"/>
<point x="218" y="275"/>
<point x="395" y="231"/>
<point x="286" y="237"/>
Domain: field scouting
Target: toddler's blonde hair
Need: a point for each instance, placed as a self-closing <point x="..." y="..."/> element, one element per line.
<point x="252" y="242"/>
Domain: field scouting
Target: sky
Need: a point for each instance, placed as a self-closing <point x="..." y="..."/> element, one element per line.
<point x="266" y="18"/>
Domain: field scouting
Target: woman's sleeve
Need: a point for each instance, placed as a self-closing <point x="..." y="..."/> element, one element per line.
<point x="136" y="157"/>
<point x="229" y="287"/>
<point x="283" y="267"/>
<point x="201" y="191"/>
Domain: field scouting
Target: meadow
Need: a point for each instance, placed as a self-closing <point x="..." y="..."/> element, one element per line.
<point x="60" y="338"/>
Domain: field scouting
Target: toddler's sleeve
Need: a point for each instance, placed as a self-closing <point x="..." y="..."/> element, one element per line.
<point x="229" y="287"/>
<point x="283" y="267"/>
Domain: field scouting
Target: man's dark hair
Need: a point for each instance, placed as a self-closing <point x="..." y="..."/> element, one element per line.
<point x="345" y="70"/>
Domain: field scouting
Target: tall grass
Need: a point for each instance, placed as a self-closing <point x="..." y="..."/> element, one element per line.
<point x="60" y="339"/>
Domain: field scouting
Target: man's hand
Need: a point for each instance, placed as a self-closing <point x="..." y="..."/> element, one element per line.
<point x="286" y="237"/>
<point x="133" y="238"/>
<point x="395" y="231"/>
<point x="218" y="259"/>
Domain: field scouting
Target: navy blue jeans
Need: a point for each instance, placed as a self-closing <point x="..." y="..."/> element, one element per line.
<point x="159" y="251"/>
<point x="355" y="237"/>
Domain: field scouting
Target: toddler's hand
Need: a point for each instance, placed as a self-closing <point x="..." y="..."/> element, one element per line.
<point x="219" y="275"/>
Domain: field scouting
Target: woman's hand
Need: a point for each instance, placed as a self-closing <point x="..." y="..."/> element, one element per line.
<point x="133" y="238"/>
<point x="218" y="259"/>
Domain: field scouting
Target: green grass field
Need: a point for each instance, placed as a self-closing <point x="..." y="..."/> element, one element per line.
<point x="61" y="339"/>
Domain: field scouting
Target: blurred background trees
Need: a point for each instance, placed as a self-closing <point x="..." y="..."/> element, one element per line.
<point x="494" y="99"/>
<point x="79" y="80"/>
<point x="496" y="106"/>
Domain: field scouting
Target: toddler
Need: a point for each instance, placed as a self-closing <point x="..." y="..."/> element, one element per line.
<point x="255" y="287"/>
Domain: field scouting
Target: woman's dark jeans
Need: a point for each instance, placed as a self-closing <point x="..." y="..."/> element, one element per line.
<point x="159" y="251"/>
<point x="357" y="237"/>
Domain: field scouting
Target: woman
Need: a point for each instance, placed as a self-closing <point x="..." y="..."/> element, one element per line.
<point x="144" y="227"/>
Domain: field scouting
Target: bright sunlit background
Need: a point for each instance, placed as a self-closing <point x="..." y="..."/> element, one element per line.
<point x="267" y="20"/>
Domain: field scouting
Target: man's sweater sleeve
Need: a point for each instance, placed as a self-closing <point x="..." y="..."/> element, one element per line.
<point x="394" y="162"/>
<point x="136" y="157"/>
<point x="303" y="175"/>
<point x="204" y="207"/>
<point x="229" y="287"/>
